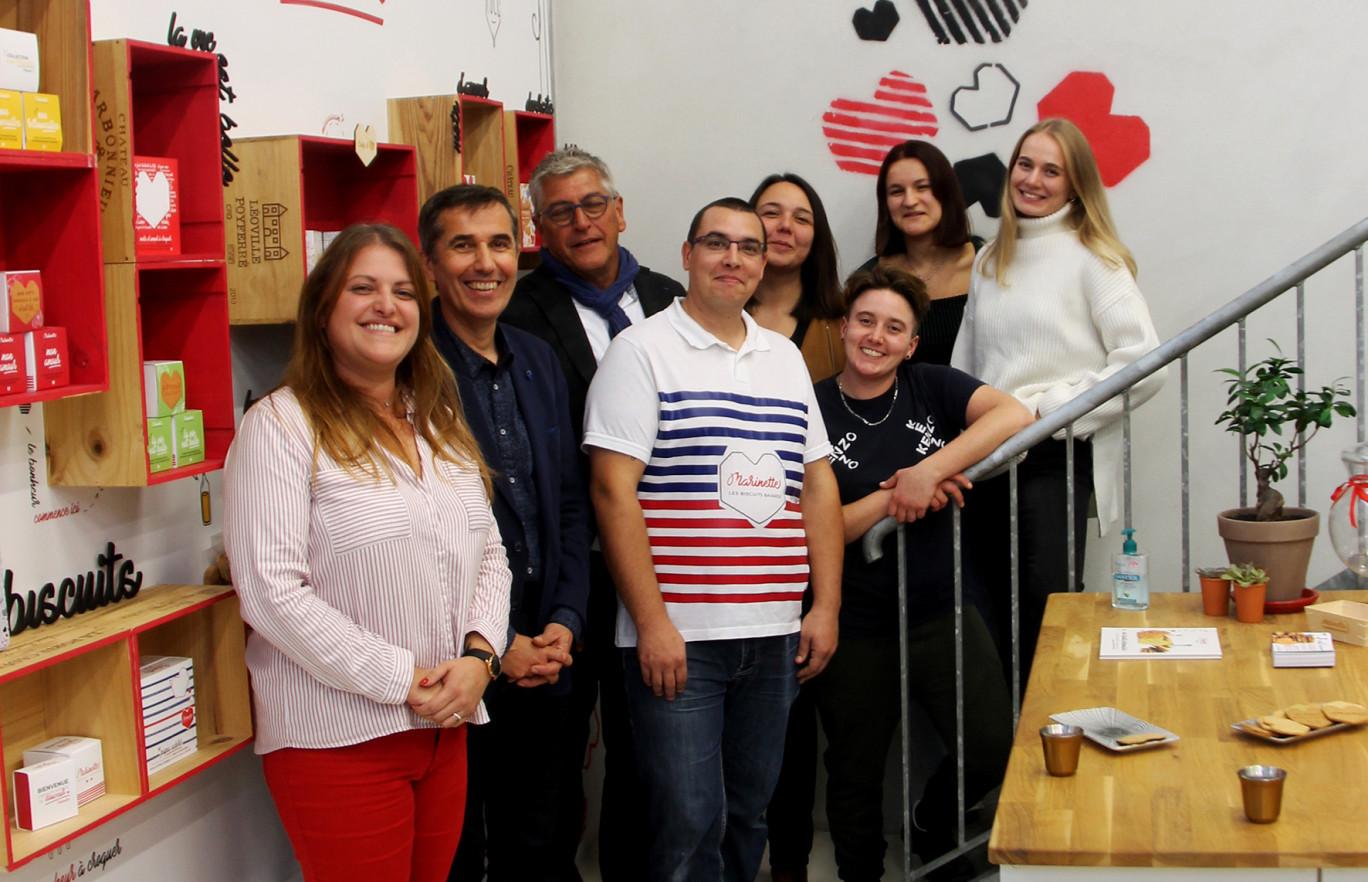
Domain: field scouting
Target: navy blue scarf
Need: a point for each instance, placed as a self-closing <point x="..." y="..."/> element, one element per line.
<point x="605" y="303"/>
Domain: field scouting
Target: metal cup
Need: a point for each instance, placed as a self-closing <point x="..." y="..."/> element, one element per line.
<point x="1262" y="788"/>
<point x="1061" y="744"/>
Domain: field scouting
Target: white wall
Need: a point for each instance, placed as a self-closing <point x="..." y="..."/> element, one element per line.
<point x="295" y="69"/>
<point x="1256" y="157"/>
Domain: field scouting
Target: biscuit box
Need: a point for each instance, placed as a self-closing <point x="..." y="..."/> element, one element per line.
<point x="45" y="356"/>
<point x="164" y="387"/>
<point x="22" y="291"/>
<point x="13" y="370"/>
<point x="44" y="794"/>
<point x="42" y="122"/>
<point x="187" y="438"/>
<point x="11" y="119"/>
<point x="159" y="443"/>
<point x="18" y="60"/>
<point x="156" y="206"/>
<point x="168" y="705"/>
<point x="84" y="752"/>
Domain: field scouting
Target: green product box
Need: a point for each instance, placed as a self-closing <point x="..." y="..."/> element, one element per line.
<point x="159" y="443"/>
<point x="164" y="387"/>
<point x="187" y="438"/>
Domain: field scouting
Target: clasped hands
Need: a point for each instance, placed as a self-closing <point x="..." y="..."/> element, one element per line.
<point x="448" y="693"/>
<point x="916" y="491"/>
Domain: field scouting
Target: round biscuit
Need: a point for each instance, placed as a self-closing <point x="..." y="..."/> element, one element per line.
<point x="1308" y="715"/>
<point x="1282" y="726"/>
<point x="1345" y="712"/>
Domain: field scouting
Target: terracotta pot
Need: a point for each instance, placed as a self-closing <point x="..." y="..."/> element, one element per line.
<point x="1249" y="602"/>
<point x="1281" y="548"/>
<point x="1215" y="596"/>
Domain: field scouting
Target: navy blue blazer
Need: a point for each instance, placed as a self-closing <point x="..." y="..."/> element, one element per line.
<point x="562" y="501"/>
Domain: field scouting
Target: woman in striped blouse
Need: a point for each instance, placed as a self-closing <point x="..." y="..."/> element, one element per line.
<point x="370" y="570"/>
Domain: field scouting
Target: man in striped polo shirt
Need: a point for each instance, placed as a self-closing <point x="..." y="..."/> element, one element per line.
<point x="717" y="507"/>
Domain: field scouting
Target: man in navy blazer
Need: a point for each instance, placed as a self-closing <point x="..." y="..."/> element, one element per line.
<point x="587" y="288"/>
<point x="515" y="400"/>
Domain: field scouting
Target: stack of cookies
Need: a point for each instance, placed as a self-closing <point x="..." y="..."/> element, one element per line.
<point x="1302" y="719"/>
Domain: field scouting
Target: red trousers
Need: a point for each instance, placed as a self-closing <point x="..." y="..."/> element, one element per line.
<point x="387" y="810"/>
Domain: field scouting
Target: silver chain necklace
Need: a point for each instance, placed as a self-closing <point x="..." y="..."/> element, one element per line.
<point x="884" y="418"/>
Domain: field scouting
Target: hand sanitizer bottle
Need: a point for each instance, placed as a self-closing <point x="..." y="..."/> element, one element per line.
<point x="1130" y="576"/>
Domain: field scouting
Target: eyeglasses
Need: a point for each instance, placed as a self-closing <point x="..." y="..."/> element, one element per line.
<point x="563" y="213"/>
<point x="716" y="243"/>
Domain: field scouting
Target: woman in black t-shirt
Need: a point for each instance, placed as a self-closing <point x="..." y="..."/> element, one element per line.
<point x="901" y="434"/>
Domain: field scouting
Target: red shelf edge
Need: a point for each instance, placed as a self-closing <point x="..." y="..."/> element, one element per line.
<point x="52" y="394"/>
<point x="199" y="468"/>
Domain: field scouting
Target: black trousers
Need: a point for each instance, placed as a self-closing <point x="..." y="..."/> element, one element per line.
<point x="1043" y="561"/>
<point x="512" y="786"/>
<point x="857" y="698"/>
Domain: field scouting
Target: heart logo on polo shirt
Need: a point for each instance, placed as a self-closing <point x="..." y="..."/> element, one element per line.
<point x="752" y="488"/>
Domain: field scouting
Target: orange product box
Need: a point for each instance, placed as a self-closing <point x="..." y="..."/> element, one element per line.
<point x="13" y="374"/>
<point x="22" y="310"/>
<point x="45" y="352"/>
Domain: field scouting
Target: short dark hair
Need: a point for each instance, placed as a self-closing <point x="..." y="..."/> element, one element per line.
<point x="877" y="278"/>
<point x="819" y="275"/>
<point x="731" y="203"/>
<point x="953" y="228"/>
<point x="469" y="197"/>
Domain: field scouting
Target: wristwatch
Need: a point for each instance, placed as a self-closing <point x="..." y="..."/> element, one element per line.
<point x="490" y="659"/>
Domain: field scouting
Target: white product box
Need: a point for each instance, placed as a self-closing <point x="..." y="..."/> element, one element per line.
<point x="84" y="752"/>
<point x="18" y="60"/>
<point x="44" y="794"/>
<point x="168" y="701"/>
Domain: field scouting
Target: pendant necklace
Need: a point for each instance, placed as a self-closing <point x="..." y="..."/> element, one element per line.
<point x="891" y="404"/>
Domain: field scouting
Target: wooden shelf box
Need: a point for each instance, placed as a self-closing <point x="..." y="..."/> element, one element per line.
<point x="63" y="30"/>
<point x="292" y="183"/>
<point x="159" y="311"/>
<point x="79" y="676"/>
<point x="169" y="100"/>
<point x="528" y="139"/>
<point x="424" y="123"/>
<point x="50" y="221"/>
<point x="482" y="142"/>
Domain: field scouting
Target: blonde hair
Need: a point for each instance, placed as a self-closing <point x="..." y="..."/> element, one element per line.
<point x="345" y="424"/>
<point x="1088" y="212"/>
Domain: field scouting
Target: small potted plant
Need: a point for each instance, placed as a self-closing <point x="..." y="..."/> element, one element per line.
<point x="1250" y="584"/>
<point x="1215" y="590"/>
<point x="1262" y="401"/>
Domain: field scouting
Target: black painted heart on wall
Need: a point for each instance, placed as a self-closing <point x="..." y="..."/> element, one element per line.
<point x="878" y="23"/>
<point x="977" y="20"/>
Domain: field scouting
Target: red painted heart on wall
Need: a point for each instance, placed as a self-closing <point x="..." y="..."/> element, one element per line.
<point x="1120" y="143"/>
<point x="860" y="133"/>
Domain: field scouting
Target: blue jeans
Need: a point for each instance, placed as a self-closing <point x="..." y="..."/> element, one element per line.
<point x="711" y="757"/>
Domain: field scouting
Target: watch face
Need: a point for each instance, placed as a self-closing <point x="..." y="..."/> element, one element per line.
<point x="495" y="667"/>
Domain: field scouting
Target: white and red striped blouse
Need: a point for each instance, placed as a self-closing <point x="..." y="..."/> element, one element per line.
<point x="350" y="582"/>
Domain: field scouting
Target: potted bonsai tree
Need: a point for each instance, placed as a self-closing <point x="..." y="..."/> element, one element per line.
<point x="1263" y="401"/>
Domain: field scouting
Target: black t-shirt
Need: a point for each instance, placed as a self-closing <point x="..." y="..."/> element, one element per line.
<point x="928" y="414"/>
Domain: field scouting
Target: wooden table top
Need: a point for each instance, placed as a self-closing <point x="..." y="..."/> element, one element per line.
<point x="1179" y="804"/>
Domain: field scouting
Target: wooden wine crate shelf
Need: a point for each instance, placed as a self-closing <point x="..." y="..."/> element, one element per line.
<point x="288" y="184"/>
<point x="79" y="676"/>
<point x="63" y="29"/>
<point x="528" y="139"/>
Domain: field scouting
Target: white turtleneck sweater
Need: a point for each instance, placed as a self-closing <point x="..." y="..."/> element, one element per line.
<point x="1065" y="322"/>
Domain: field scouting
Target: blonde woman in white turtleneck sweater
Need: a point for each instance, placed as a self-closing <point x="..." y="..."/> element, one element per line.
<point x="1053" y="310"/>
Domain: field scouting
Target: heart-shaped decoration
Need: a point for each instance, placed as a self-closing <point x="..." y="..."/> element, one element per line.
<point x="876" y="24"/>
<point x="1120" y="143"/>
<point x="989" y="101"/>
<point x="366" y="144"/>
<point x="981" y="179"/>
<point x="979" y="22"/>
<point x="170" y="387"/>
<point x="25" y="300"/>
<point x="860" y="132"/>
<point x="152" y="197"/>
<point x="752" y="488"/>
<point x="188" y="717"/>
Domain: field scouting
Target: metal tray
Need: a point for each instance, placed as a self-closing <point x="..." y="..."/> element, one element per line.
<point x="1103" y="725"/>
<point x="1291" y="739"/>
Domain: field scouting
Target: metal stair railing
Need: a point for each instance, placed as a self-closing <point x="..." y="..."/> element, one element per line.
<point x="1292" y="277"/>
